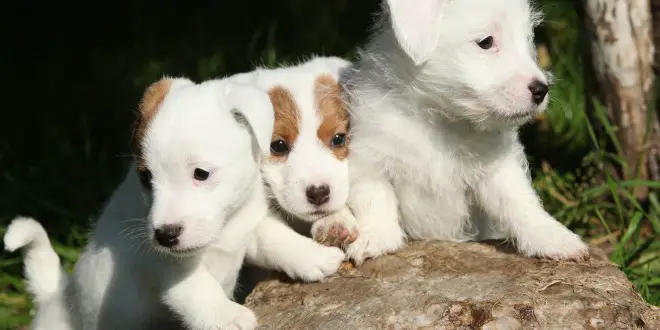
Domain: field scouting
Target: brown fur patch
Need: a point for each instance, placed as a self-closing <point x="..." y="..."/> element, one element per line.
<point x="148" y="108"/>
<point x="327" y="93"/>
<point x="286" y="118"/>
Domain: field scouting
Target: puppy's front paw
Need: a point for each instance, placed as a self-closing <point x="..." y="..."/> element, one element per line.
<point x="241" y="318"/>
<point x="573" y="248"/>
<point x="322" y="262"/>
<point x="555" y="242"/>
<point x="370" y="245"/>
<point x="335" y="230"/>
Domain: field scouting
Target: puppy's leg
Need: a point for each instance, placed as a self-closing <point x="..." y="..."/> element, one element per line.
<point x="439" y="214"/>
<point x="199" y="300"/>
<point x="337" y="229"/>
<point x="507" y="196"/>
<point x="278" y="246"/>
<point x="375" y="206"/>
<point x="487" y="229"/>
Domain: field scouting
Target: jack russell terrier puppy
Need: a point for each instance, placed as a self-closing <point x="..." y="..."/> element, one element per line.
<point x="307" y="170"/>
<point x="167" y="249"/>
<point x="436" y="101"/>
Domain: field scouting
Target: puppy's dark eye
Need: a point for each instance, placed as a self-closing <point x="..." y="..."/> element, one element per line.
<point x="200" y="174"/>
<point x="145" y="178"/>
<point x="279" y="147"/>
<point x="338" y="140"/>
<point x="486" y="43"/>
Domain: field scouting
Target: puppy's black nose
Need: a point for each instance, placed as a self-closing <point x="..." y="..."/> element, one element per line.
<point x="168" y="235"/>
<point x="318" y="195"/>
<point x="539" y="91"/>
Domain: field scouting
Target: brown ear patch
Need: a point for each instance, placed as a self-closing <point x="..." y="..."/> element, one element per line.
<point x="148" y="108"/>
<point x="331" y="107"/>
<point x="286" y="120"/>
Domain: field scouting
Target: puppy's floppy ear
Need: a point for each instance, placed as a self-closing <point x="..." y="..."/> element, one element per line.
<point x="151" y="100"/>
<point x="416" y="25"/>
<point x="149" y="103"/>
<point x="252" y="106"/>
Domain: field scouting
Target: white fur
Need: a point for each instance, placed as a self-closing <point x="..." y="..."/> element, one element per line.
<point x="435" y="151"/>
<point x="42" y="267"/>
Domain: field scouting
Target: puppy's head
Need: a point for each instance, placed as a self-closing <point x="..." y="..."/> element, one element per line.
<point x="197" y="149"/>
<point x="307" y="169"/>
<point x="475" y="56"/>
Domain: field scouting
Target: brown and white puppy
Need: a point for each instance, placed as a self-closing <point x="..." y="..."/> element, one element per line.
<point x="307" y="171"/>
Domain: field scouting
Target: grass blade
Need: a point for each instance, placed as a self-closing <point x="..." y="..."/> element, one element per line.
<point x="633" y="227"/>
<point x="655" y="211"/>
<point x="638" y="251"/>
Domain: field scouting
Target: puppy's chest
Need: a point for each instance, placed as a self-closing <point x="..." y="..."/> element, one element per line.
<point x="438" y="181"/>
<point x="429" y="154"/>
<point x="435" y="167"/>
<point x="443" y="172"/>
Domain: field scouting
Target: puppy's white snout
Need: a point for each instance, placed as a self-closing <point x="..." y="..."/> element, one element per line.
<point x="318" y="195"/>
<point x="539" y="90"/>
<point x="168" y="235"/>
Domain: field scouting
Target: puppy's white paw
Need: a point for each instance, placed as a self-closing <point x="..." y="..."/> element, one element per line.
<point x="241" y="318"/>
<point x="335" y="230"/>
<point x="573" y="248"/>
<point x="370" y="245"/>
<point x="318" y="263"/>
<point x="555" y="242"/>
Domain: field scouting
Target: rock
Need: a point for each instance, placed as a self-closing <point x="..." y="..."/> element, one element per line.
<point x="442" y="285"/>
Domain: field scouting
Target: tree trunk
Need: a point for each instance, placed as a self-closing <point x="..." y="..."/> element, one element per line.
<point x="654" y="154"/>
<point x="622" y="53"/>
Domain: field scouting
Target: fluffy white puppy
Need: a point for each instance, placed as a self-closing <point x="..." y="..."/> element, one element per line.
<point x="168" y="247"/>
<point x="307" y="170"/>
<point x="436" y="101"/>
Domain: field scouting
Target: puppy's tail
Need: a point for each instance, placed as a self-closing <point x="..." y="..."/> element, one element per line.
<point x="45" y="277"/>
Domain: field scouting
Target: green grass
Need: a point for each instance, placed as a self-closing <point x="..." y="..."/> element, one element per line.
<point x="576" y="178"/>
<point x="79" y="148"/>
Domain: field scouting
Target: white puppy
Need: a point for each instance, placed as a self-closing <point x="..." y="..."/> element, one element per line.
<point x="307" y="171"/>
<point x="171" y="257"/>
<point x="436" y="101"/>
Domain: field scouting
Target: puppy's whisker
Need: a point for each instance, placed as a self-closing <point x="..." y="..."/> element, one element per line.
<point x="133" y="230"/>
<point x="139" y="219"/>
<point x="144" y="247"/>
<point x="137" y="234"/>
